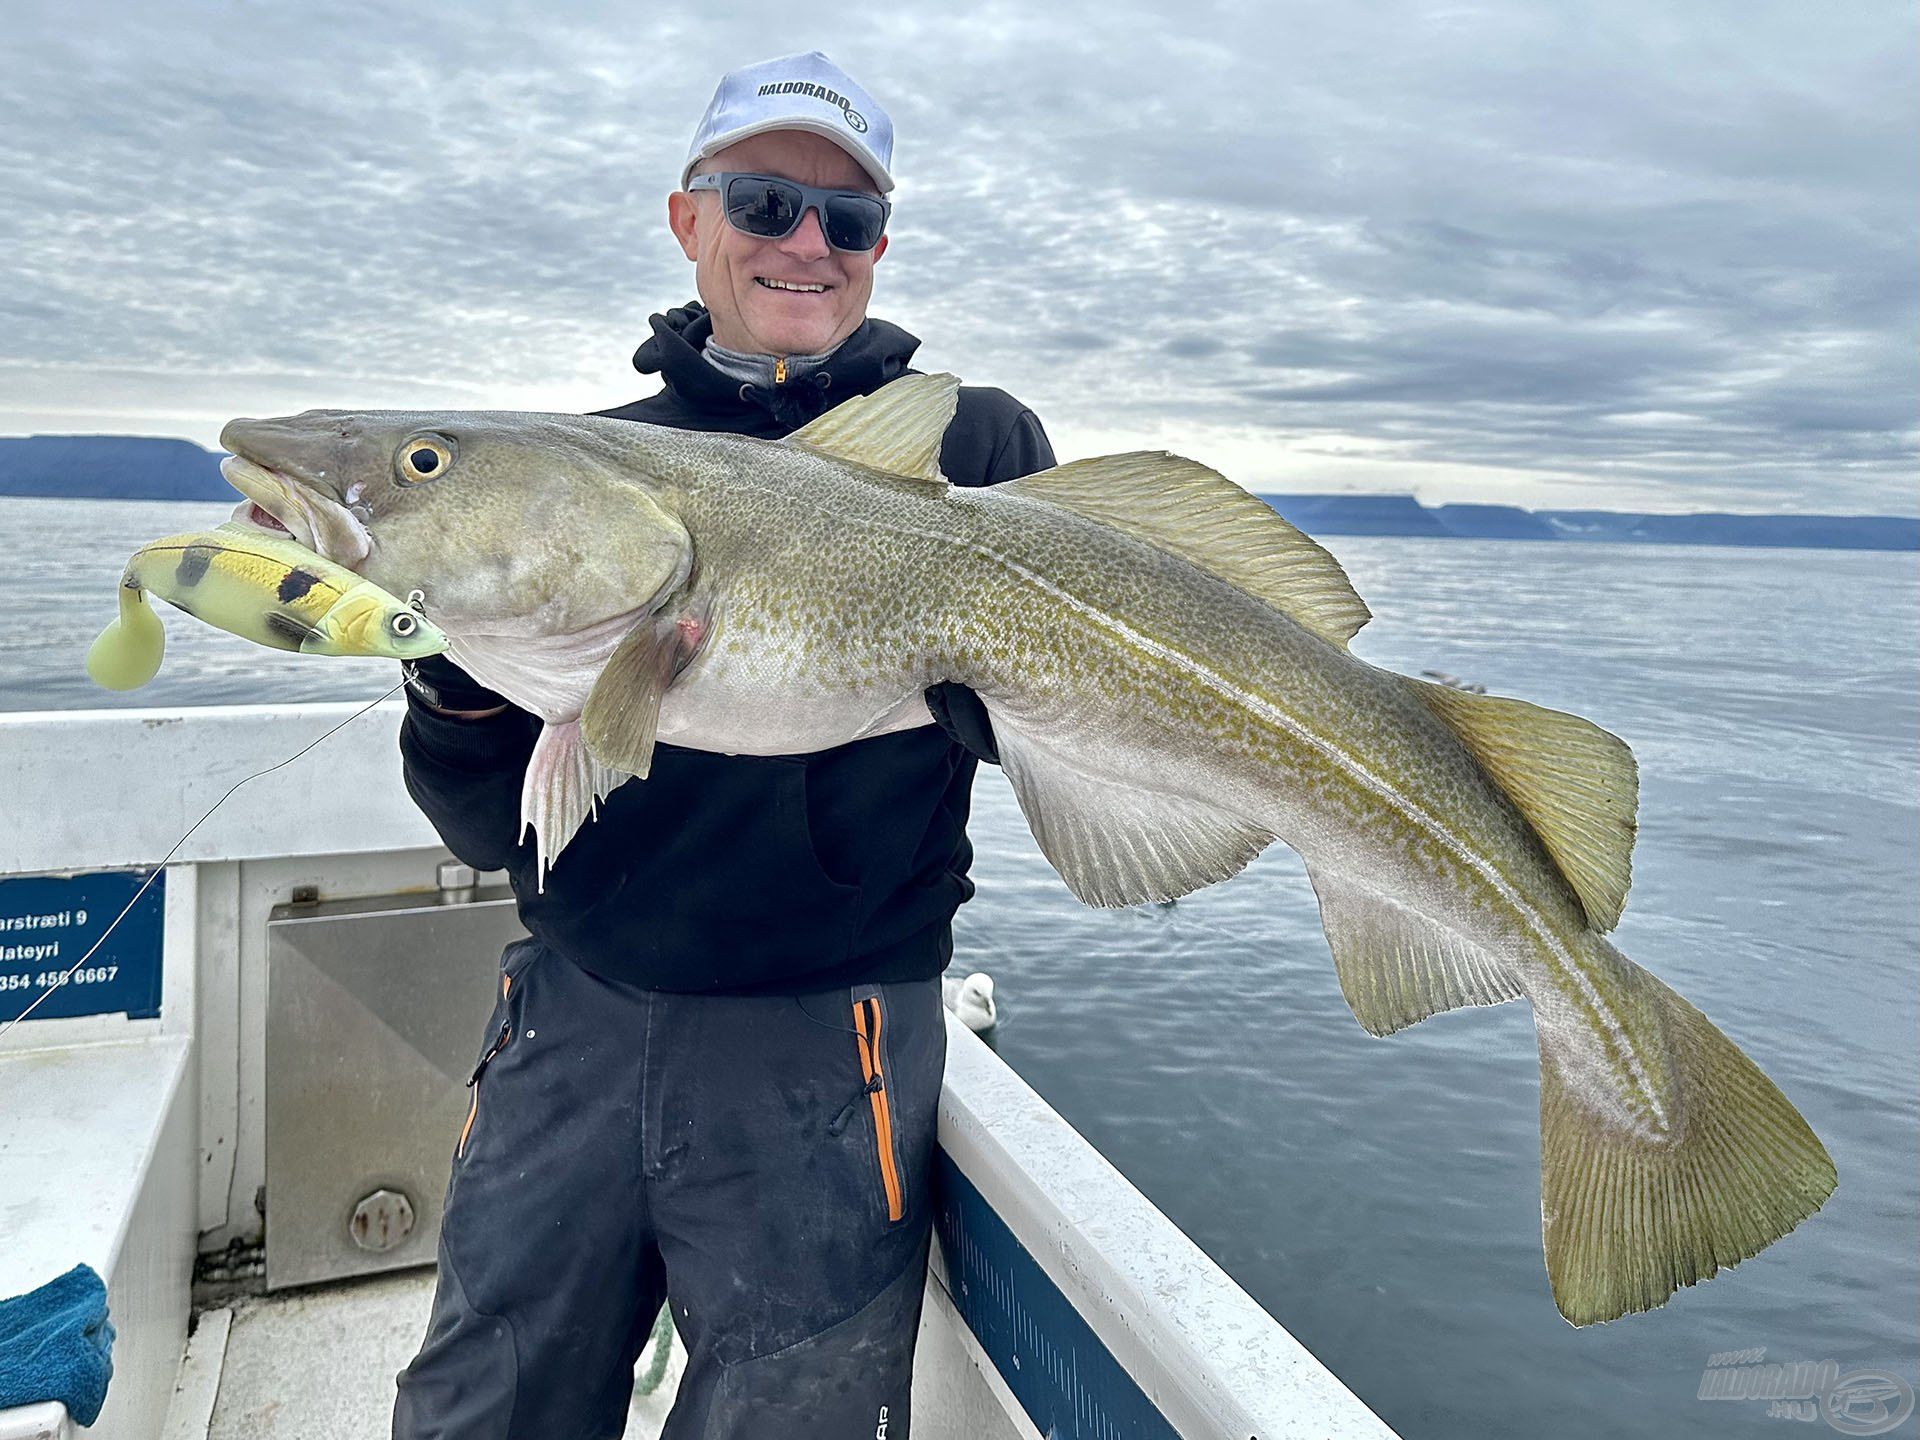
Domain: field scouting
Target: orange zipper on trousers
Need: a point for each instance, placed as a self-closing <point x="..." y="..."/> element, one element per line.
<point x="866" y="1024"/>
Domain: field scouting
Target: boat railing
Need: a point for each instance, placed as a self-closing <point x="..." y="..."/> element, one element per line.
<point x="1062" y="1301"/>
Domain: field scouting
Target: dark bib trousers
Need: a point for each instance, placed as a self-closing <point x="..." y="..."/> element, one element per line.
<point x="763" y="1160"/>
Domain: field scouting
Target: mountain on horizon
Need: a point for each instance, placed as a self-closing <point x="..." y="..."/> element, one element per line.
<point x="1404" y="515"/>
<point x="110" y="467"/>
<point x="145" y="467"/>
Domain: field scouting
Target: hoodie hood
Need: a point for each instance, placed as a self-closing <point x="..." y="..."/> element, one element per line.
<point x="867" y="359"/>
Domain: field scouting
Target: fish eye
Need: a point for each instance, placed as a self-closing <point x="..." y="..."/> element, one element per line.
<point x="423" y="458"/>
<point x="403" y="624"/>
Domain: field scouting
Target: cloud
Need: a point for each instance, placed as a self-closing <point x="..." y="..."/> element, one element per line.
<point x="1650" y="255"/>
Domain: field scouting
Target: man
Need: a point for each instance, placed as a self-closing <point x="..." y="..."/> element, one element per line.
<point x="713" y="1071"/>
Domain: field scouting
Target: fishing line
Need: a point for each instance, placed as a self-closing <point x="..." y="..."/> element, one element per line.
<point x="158" y="868"/>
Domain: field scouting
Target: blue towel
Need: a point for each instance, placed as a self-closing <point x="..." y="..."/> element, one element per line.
<point x="56" y="1343"/>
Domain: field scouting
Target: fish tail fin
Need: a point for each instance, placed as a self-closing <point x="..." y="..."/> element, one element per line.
<point x="1629" y="1214"/>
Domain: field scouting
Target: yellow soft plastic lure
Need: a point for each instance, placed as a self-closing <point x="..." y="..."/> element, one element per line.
<point x="266" y="588"/>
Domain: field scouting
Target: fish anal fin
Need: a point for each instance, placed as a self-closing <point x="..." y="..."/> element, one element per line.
<point x="561" y="789"/>
<point x="1188" y="510"/>
<point x="1116" y="844"/>
<point x="1576" y="785"/>
<point x="896" y="430"/>
<point x="1396" y="966"/>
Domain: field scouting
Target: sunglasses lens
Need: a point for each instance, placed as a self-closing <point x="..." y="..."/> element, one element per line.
<point x="767" y="208"/>
<point x="854" y="222"/>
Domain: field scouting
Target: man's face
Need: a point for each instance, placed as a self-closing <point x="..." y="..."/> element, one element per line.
<point x="732" y="268"/>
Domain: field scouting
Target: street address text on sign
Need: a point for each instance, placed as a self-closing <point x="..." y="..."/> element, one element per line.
<point x="47" y="922"/>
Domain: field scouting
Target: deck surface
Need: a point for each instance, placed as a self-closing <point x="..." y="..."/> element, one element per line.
<point x="319" y="1364"/>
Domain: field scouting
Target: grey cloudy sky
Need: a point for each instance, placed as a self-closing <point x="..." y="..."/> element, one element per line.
<point x="1639" y="254"/>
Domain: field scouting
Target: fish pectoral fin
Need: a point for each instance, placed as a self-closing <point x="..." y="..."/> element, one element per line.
<point x="1185" y="509"/>
<point x="1397" y="966"/>
<point x="897" y="429"/>
<point x="622" y="714"/>
<point x="561" y="789"/>
<point x="1576" y="785"/>
<point x="1116" y="844"/>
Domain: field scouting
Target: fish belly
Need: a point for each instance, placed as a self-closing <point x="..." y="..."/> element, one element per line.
<point x="759" y="690"/>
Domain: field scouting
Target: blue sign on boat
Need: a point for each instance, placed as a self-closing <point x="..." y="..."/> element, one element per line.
<point x="47" y="922"/>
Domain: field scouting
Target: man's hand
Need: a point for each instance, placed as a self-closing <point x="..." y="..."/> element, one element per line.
<point x="959" y="712"/>
<point x="444" y="688"/>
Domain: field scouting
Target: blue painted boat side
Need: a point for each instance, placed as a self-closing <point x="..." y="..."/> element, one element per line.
<point x="1064" y="1378"/>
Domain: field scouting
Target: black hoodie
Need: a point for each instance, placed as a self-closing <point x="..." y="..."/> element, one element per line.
<point x="743" y="874"/>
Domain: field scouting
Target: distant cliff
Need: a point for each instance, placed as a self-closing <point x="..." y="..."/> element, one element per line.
<point x="110" y="467"/>
<point x="1829" y="532"/>
<point x="138" y="467"/>
<point x="1403" y="515"/>
<point x="1358" y="514"/>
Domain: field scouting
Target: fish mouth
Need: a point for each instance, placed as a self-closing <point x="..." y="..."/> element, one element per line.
<point x="279" y="502"/>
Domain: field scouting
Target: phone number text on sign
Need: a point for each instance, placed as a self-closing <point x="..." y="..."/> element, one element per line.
<point x="47" y="922"/>
<point x="47" y="979"/>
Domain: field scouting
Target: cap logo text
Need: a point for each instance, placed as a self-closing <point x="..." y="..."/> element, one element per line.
<point x="855" y="120"/>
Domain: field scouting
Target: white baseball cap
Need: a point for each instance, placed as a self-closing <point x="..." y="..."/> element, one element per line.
<point x="796" y="92"/>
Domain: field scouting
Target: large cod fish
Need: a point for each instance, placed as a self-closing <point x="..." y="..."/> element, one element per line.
<point x="1165" y="662"/>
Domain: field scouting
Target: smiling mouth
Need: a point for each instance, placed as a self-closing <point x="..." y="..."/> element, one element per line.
<point x="792" y="287"/>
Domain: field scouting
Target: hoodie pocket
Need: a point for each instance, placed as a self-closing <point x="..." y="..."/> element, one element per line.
<point x="870" y="1033"/>
<point x="801" y="814"/>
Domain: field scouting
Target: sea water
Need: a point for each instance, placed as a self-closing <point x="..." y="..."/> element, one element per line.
<point x="1381" y="1197"/>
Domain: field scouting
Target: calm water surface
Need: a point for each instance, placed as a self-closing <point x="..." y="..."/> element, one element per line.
<point x="1381" y="1197"/>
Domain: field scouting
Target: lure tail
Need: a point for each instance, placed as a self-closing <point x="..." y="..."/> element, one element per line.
<point x="128" y="652"/>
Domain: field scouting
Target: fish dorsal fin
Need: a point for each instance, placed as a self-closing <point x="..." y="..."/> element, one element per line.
<point x="1575" y="784"/>
<point x="897" y="429"/>
<point x="1182" y="507"/>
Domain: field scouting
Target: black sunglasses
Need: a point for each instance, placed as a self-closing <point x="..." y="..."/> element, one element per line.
<point x="769" y="207"/>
